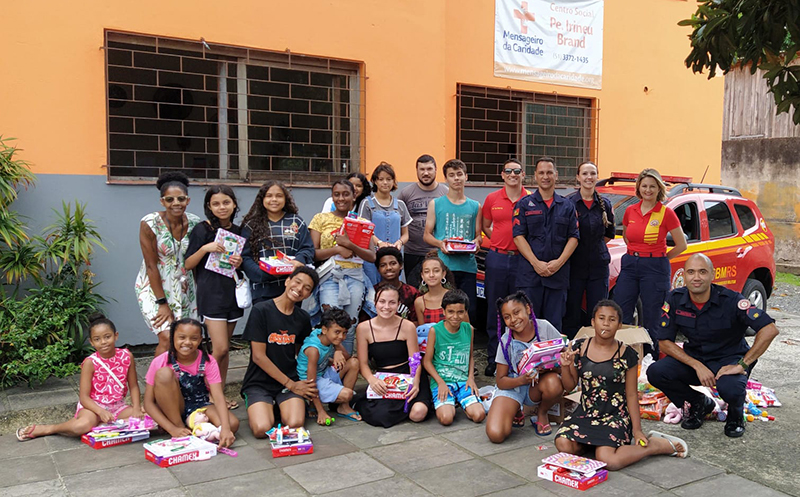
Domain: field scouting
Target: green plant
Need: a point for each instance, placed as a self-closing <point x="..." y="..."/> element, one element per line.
<point x="69" y="242"/>
<point x="14" y="173"/>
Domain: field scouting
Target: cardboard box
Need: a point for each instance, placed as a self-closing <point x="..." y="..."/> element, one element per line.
<point x="458" y="244"/>
<point x="630" y="335"/>
<point x="570" y="478"/>
<point x="103" y="442"/>
<point x="556" y="414"/>
<point x="396" y="384"/>
<point x="545" y="354"/>
<point x="171" y="452"/>
<point x="287" y="441"/>
<point x="359" y="231"/>
<point x="278" y="265"/>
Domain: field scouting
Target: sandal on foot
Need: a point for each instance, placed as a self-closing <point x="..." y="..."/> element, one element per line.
<point x="351" y="415"/>
<point x="232" y="404"/>
<point x="542" y="429"/>
<point x="24" y="433"/>
<point x="519" y="420"/>
<point x="672" y="441"/>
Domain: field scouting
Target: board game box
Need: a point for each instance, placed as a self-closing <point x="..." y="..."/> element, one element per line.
<point x="572" y="471"/>
<point x="119" y="432"/>
<point x="545" y="354"/>
<point x="287" y="441"/>
<point x="174" y="451"/>
<point x="219" y="262"/>
<point x="397" y="386"/>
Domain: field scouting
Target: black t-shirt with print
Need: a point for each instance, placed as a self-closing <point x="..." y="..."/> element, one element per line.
<point x="283" y="334"/>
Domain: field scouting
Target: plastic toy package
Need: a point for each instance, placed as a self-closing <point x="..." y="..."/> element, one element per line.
<point x="119" y="432"/>
<point x="572" y="471"/>
<point x="545" y="355"/>
<point x="397" y="385"/>
<point x="287" y="441"/>
<point x="278" y="265"/>
<point x="219" y="262"/>
<point x="458" y="244"/>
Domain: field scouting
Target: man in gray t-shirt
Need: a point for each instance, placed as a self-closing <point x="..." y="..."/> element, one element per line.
<point x="416" y="197"/>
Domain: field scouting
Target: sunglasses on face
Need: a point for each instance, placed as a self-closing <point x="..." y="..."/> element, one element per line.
<point x="181" y="199"/>
<point x="513" y="171"/>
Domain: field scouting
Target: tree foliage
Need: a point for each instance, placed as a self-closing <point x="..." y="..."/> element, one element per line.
<point x="759" y="34"/>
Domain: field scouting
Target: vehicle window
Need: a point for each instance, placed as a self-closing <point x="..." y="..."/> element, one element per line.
<point x="746" y="215"/>
<point x="620" y="203"/>
<point x="687" y="215"/>
<point x="720" y="222"/>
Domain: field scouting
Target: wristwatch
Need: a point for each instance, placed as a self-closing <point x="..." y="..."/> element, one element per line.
<point x="161" y="301"/>
<point x="743" y="364"/>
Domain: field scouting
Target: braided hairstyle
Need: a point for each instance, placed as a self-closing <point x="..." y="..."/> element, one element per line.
<point x="523" y="299"/>
<point x="257" y="219"/>
<point x="596" y="196"/>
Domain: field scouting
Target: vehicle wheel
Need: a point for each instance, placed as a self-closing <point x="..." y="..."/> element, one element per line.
<point x="754" y="292"/>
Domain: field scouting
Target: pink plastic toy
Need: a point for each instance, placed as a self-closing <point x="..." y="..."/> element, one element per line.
<point x="545" y="355"/>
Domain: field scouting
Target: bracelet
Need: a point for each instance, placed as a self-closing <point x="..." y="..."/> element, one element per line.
<point x="161" y="301"/>
<point x="743" y="364"/>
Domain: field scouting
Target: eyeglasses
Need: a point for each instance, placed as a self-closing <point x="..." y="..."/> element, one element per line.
<point x="181" y="199"/>
<point x="517" y="170"/>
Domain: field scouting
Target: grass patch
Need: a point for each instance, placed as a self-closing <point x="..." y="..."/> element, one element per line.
<point x="789" y="278"/>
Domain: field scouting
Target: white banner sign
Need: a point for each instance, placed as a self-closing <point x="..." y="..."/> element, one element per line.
<point x="558" y="42"/>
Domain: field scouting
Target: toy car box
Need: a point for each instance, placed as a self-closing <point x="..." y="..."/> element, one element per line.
<point x="174" y="451"/>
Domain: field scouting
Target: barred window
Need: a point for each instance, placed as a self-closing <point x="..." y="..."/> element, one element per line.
<point x="221" y="112"/>
<point x="495" y="125"/>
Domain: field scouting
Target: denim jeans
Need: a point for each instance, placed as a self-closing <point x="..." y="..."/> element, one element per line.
<point x="332" y="294"/>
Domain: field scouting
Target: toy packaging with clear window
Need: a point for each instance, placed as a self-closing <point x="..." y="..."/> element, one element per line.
<point x="174" y="451"/>
<point x="397" y="385"/>
<point x="287" y="441"/>
<point x="572" y="471"/>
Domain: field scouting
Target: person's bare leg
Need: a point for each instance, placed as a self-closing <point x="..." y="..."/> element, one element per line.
<point x="293" y="412"/>
<point x="564" y="444"/>
<point x="499" y="421"/>
<point x="168" y="396"/>
<point x="75" y="427"/>
<point x="261" y="418"/>
<point x="445" y="414"/>
<point x="163" y="343"/>
<point x="625" y="455"/>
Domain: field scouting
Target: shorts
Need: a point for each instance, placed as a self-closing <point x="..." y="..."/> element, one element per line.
<point x="457" y="392"/>
<point x="231" y="316"/>
<point x="329" y="385"/>
<point x="255" y="394"/>
<point x="521" y="394"/>
<point x="114" y="408"/>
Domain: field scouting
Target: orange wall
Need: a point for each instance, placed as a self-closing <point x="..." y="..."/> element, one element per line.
<point x="415" y="52"/>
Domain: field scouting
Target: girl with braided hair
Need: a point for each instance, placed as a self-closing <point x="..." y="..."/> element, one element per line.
<point x="589" y="263"/>
<point x="514" y="391"/>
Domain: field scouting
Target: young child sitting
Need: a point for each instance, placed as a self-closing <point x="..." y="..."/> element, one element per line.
<point x="106" y="377"/>
<point x="335" y="377"/>
<point x="608" y="414"/>
<point x="180" y="381"/>
<point x="515" y="390"/>
<point x="449" y="362"/>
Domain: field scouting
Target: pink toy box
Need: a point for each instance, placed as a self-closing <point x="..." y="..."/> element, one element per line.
<point x="572" y="471"/>
<point x="171" y="452"/>
<point x="545" y="354"/>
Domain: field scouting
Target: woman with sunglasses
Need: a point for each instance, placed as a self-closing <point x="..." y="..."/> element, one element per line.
<point x="164" y="288"/>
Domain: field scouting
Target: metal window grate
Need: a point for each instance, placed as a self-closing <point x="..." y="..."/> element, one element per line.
<point x="220" y="112"/>
<point x="495" y="125"/>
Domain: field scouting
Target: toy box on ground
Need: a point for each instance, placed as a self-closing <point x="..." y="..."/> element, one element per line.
<point x="174" y="451"/>
<point x="652" y="405"/>
<point x="572" y="471"/>
<point x="287" y="441"/>
<point x="458" y="244"/>
<point x="119" y="432"/>
<point x="396" y="385"/>
<point x="545" y="355"/>
<point x="278" y="265"/>
<point x="633" y="336"/>
<point x="220" y="262"/>
<point x="359" y="231"/>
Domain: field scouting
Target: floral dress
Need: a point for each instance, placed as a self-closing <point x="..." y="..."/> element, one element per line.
<point x="602" y="418"/>
<point x="178" y="283"/>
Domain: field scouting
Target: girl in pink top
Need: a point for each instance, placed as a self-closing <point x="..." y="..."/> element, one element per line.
<point x="106" y="377"/>
<point x="184" y="379"/>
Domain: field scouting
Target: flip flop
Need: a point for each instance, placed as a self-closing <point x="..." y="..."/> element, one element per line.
<point x="672" y="441"/>
<point x="519" y="420"/>
<point x="542" y="429"/>
<point x="232" y="404"/>
<point x="24" y="435"/>
<point x="351" y="415"/>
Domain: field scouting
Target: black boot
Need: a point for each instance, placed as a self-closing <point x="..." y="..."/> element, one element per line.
<point x="697" y="414"/>
<point x="734" y="426"/>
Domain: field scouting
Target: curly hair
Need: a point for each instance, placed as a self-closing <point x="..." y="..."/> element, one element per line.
<point x="172" y="178"/>
<point x="257" y="219"/>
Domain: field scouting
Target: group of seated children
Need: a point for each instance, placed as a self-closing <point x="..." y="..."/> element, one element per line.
<point x="290" y="364"/>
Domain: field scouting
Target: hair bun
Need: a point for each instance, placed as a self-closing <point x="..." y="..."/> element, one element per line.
<point x="96" y="316"/>
<point x="172" y="177"/>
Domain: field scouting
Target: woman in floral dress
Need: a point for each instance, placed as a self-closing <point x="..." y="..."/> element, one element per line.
<point x="164" y="288"/>
<point x="608" y="415"/>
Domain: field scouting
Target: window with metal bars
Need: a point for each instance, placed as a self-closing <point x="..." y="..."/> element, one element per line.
<point x="495" y="125"/>
<point x="220" y="112"/>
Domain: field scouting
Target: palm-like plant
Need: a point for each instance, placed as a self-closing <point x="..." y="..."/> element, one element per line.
<point x="69" y="242"/>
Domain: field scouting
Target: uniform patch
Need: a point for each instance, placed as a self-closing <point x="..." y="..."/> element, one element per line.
<point x="754" y="312"/>
<point x="743" y="304"/>
<point x="516" y="212"/>
<point x="654" y="222"/>
<point x="665" y="307"/>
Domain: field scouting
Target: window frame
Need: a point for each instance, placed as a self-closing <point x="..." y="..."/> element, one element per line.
<point x="730" y="217"/>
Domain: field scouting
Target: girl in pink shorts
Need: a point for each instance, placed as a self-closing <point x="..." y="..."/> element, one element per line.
<point x="106" y="377"/>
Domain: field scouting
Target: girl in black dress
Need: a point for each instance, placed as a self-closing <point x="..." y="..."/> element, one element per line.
<point x="608" y="415"/>
<point x="389" y="341"/>
<point x="216" y="297"/>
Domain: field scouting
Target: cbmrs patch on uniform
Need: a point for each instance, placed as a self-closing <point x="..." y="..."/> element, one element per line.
<point x="743" y="304"/>
<point x="516" y="211"/>
<point x="665" y="307"/>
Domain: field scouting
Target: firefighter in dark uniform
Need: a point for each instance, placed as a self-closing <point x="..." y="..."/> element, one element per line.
<point x="713" y="319"/>
<point x="588" y="270"/>
<point x="545" y="230"/>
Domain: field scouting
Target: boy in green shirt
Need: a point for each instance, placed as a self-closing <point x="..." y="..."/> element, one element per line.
<point x="449" y="362"/>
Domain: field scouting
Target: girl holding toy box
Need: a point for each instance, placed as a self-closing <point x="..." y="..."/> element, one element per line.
<point x="389" y="341"/>
<point x="608" y="414"/>
<point x="514" y="390"/>
<point x="180" y="380"/>
<point x="106" y="377"/>
<point x="273" y="225"/>
<point x="216" y="297"/>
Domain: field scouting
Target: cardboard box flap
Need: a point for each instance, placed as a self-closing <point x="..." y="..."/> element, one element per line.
<point x="628" y="334"/>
